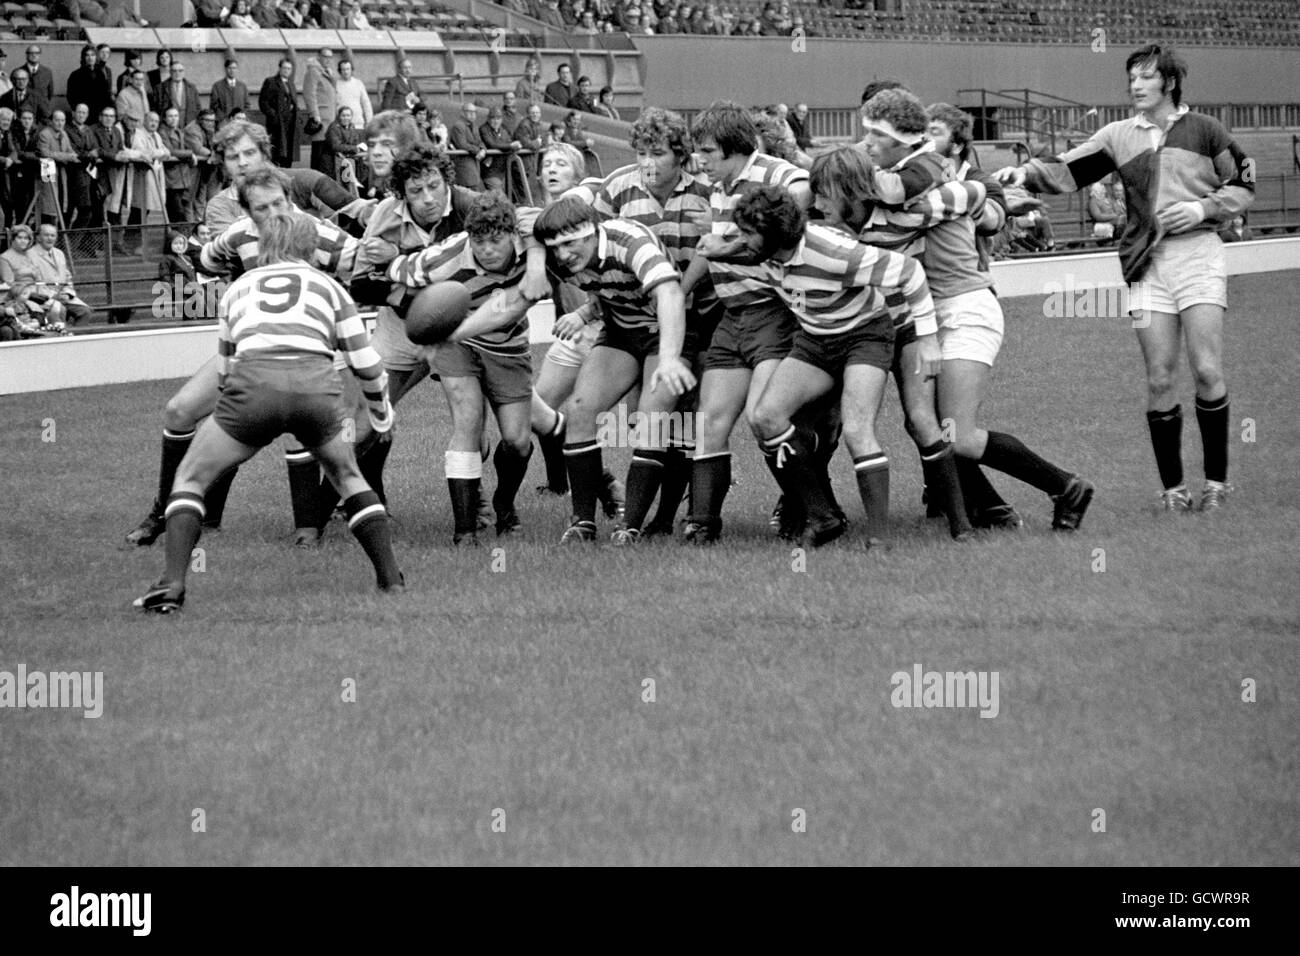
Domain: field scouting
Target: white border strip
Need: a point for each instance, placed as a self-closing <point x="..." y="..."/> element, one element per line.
<point x="42" y="365"/>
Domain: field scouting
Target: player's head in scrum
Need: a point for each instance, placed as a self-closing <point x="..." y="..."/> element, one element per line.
<point x="725" y="137"/>
<point x="264" y="194"/>
<point x="493" y="229"/>
<point x="422" y="177"/>
<point x="662" y="143"/>
<point x="244" y="148"/>
<point x="568" y="229"/>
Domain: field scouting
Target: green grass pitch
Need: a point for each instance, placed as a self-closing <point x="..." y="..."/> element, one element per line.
<point x="520" y="689"/>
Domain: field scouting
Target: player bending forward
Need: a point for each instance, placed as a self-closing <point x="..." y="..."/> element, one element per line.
<point x="278" y="328"/>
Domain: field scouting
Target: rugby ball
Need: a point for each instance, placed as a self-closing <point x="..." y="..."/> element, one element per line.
<point x="436" y="312"/>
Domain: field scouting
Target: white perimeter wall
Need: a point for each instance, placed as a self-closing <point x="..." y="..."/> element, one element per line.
<point x="39" y="365"/>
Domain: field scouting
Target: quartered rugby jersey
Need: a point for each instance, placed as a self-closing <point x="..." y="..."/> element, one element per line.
<point x="743" y="286"/>
<point x="1192" y="159"/>
<point x="628" y="264"/>
<point x="833" y="283"/>
<point x="452" y="260"/>
<point x="236" y="250"/>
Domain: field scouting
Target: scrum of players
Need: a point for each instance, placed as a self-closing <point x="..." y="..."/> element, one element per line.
<point x="710" y="278"/>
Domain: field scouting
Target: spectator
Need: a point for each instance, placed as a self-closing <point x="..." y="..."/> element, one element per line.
<point x="160" y="74"/>
<point x="54" y="148"/>
<point x="330" y="18"/>
<point x="552" y="16"/>
<point x="22" y="97"/>
<point x="438" y="133"/>
<point x="342" y="146"/>
<point x="711" y="24"/>
<point x="400" y="92"/>
<point x="83" y="196"/>
<point x="668" y="25"/>
<point x="798" y="122"/>
<point x="112" y="155"/>
<point x="241" y="18"/>
<point x="133" y="104"/>
<point x="635" y="25"/>
<point x="210" y="13"/>
<point x="575" y="135"/>
<point x="560" y="91"/>
<point x="1030" y="231"/>
<point x="298" y="16"/>
<point x="509" y="115"/>
<point x="529" y="90"/>
<point x="178" y="168"/>
<point x="465" y="136"/>
<point x="1106" y="207"/>
<point x="25" y="303"/>
<point x="586" y="25"/>
<point x="176" y="264"/>
<point x="206" y="174"/>
<point x="87" y="83"/>
<point x="322" y="104"/>
<point x="41" y="76"/>
<point x="531" y="133"/>
<point x="133" y="61"/>
<point x="267" y="13"/>
<point x="353" y="18"/>
<point x="495" y="136"/>
<point x="605" y="105"/>
<point x="26" y="170"/>
<point x="6" y="84"/>
<point x="103" y="54"/>
<point x="554" y="135"/>
<point x="351" y="92"/>
<point x="149" y="189"/>
<point x="582" y="100"/>
<point x="229" y="93"/>
<point x="54" y="278"/>
<point x="279" y="105"/>
<point x="8" y="156"/>
<point x="180" y="93"/>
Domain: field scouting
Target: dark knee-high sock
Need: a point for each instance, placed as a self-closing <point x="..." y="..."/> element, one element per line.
<point x="710" y="482"/>
<point x="976" y="489"/>
<point x="586" y="476"/>
<point x="304" y="486"/>
<point x="511" y="468"/>
<point x="643" y="478"/>
<point x="552" y="445"/>
<point x="174" y="447"/>
<point x="368" y="521"/>
<point x="939" y="465"/>
<point x="872" y="472"/>
<point x="464" y="470"/>
<point x="789" y="458"/>
<point x="215" y="497"/>
<point x="1167" y="442"/>
<point x="184" y="513"/>
<point x="1212" y="417"/>
<point x="371" y="458"/>
<point x="676" y="482"/>
<point x="1009" y="454"/>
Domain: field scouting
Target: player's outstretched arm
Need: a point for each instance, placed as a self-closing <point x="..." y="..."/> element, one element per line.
<point x="670" y="308"/>
<point x="504" y="308"/>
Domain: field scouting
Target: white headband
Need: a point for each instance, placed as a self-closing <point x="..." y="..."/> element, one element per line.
<point x="887" y="128"/>
<point x="582" y="232"/>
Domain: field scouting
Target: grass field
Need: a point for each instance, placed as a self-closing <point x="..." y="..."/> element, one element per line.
<point x="521" y="689"/>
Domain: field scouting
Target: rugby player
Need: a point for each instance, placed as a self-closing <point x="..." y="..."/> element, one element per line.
<point x="1183" y="176"/>
<point x="636" y="289"/>
<point x="279" y="327"/>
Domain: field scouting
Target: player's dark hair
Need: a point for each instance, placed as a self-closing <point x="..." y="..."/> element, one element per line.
<point x="875" y="86"/>
<point x="729" y="126"/>
<point x="268" y="177"/>
<point x="234" y="130"/>
<point x="419" y="161"/>
<point x="899" y="108"/>
<point x="491" y="215"/>
<point x="287" y="237"/>
<point x="957" y="120"/>
<point x="771" y="135"/>
<point x="842" y="175"/>
<point x="772" y="213"/>
<point x="1171" y="67"/>
<point x="563" y="215"/>
<point x="660" y="127"/>
<point x="400" y="124"/>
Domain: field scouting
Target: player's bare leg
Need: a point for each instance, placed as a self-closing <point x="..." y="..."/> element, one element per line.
<point x="1203" y="332"/>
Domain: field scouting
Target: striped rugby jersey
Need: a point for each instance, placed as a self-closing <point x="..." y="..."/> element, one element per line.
<point x="834" y="283"/>
<point x="287" y="310"/>
<point x="680" y="223"/>
<point x="629" y="263"/>
<point x="452" y="260"/>
<point x="744" y="286"/>
<point x="236" y="250"/>
<point x="1193" y="159"/>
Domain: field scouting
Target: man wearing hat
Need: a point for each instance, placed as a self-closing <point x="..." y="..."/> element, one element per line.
<point x="495" y="136"/>
<point x="322" y="107"/>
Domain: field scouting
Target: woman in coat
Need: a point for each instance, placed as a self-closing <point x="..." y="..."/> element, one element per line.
<point x="279" y="104"/>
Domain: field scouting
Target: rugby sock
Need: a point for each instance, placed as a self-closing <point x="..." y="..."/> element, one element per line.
<point x="304" y="486"/>
<point x="872" y="472"/>
<point x="1212" y="417"/>
<point x="828" y="428"/>
<point x="184" y="515"/>
<point x="511" y="468"/>
<point x="372" y="455"/>
<point x="710" y="482"/>
<point x="586" y="477"/>
<point x="1167" y="442"/>
<point x="939" y="465"/>
<point x="552" y="445"/>
<point x="1009" y="454"/>
<point x="368" y="522"/>
<point x="215" y="498"/>
<point x="675" y="483"/>
<point x="174" y="447"/>
<point x="976" y="489"/>
<point x="643" y="478"/>
<point x="789" y="458"/>
<point x="464" y="480"/>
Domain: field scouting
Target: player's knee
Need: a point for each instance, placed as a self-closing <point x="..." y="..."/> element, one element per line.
<point x="766" y="421"/>
<point x="858" y="434"/>
<point x="1160" y="378"/>
<point x="1208" y="375"/>
<point x="178" y="414"/>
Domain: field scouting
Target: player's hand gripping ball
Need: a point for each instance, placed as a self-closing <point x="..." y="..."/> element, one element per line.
<point x="436" y="312"/>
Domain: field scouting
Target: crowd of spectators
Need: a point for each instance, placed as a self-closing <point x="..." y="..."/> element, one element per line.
<point x="590" y="17"/>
